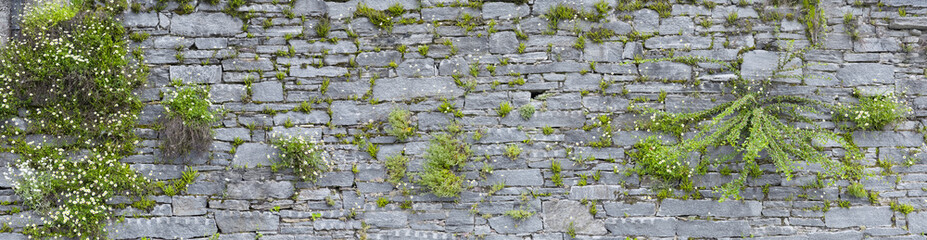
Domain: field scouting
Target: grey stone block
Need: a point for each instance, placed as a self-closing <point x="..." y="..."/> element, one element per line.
<point x="502" y="10"/>
<point x="254" y="154"/>
<point x="713" y="229"/>
<point x="604" y="52"/>
<point x="140" y="20"/>
<point x="243" y="65"/>
<point x="559" y="215"/>
<point x="221" y="93"/>
<point x="503" y="43"/>
<point x="593" y="192"/>
<point x="267" y="91"/>
<point x="211" y="43"/>
<point x="391" y="219"/>
<point x="678" y="42"/>
<point x="234" y="221"/>
<point x="666" y="70"/>
<point x="196" y="74"/>
<point x="163" y="227"/>
<point x="520" y="177"/>
<point x="620" y="209"/>
<point x="201" y="24"/>
<point x="886" y="139"/>
<point x="313" y="8"/>
<point x="188" y="205"/>
<point x="422" y="67"/>
<point x="311" y="72"/>
<point x="399" y="89"/>
<point x="507" y="225"/>
<point x="866" y="74"/>
<point x="675" y="207"/>
<point x="377" y="59"/>
<point x="260" y="190"/>
<point x="917" y="222"/>
<point x="858" y="216"/>
<point x="648" y="226"/>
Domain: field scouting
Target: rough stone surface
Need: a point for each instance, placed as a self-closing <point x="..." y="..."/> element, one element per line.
<point x="253" y="155"/>
<point x="858" y="216"/>
<point x="559" y="214"/>
<point x="163" y="227"/>
<point x="260" y="190"/>
<point x="673" y="207"/>
<point x="647" y="226"/>
<point x="234" y="221"/>
<point x="865" y="74"/>
<point x="201" y="24"/>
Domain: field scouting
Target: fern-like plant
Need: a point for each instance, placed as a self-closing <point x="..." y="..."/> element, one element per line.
<point x="755" y="122"/>
<point x="445" y="154"/>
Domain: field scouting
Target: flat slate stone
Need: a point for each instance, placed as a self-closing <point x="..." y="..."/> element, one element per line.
<point x="313" y="8"/>
<point x="604" y="52"/>
<point x="665" y="70"/>
<point x="620" y="209"/>
<point x="271" y="91"/>
<point x="391" y="219"/>
<point x="507" y="225"/>
<point x="521" y="177"/>
<point x="188" y="205"/>
<point x="858" y="216"/>
<point x="163" y="227"/>
<point x="201" y="24"/>
<point x="503" y="43"/>
<point x="311" y="72"/>
<point x="593" y="192"/>
<point x="713" y="229"/>
<point x="558" y="215"/>
<point x="234" y="221"/>
<point x="856" y="74"/>
<point x="258" y="190"/>
<point x="887" y="139"/>
<point x="400" y="89"/>
<point x="646" y="226"/>
<point x="675" y="207"/>
<point x="253" y="154"/>
<point x="678" y="42"/>
<point x="197" y="74"/>
<point x="917" y="222"/>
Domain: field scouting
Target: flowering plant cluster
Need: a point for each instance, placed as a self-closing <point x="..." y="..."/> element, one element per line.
<point x="874" y="112"/>
<point x="304" y="156"/>
<point x="70" y="75"/>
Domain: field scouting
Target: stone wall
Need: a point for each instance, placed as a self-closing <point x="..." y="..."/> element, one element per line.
<point x="237" y="198"/>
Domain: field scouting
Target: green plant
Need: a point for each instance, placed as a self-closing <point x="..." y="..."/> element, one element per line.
<point x="186" y="126"/>
<point x="556" y="178"/>
<point x="444" y="154"/>
<point x="755" y="122"/>
<point x="504" y="109"/>
<point x="547" y="130"/>
<point x="571" y="230"/>
<point x="512" y="151"/>
<point x="902" y="208"/>
<point x="378" y="18"/>
<point x="323" y="28"/>
<point x="304" y="156"/>
<point x="396" y="168"/>
<point x="526" y="111"/>
<point x="599" y="35"/>
<point x="423" y="50"/>
<point x="400" y="121"/>
<point x="874" y="112"/>
<point x="857" y="190"/>
<point x="382" y="201"/>
<point x="519" y="214"/>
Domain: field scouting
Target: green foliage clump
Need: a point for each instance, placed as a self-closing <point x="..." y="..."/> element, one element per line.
<point x="756" y="122"/>
<point x="519" y="214"/>
<point x="396" y="168"/>
<point x="599" y="35"/>
<point x="381" y="19"/>
<point x="71" y="74"/>
<point x="306" y="157"/>
<point x="512" y="151"/>
<point x="382" y="202"/>
<point x="526" y="111"/>
<point x="504" y="109"/>
<point x="653" y="158"/>
<point x="186" y="127"/>
<point x="857" y="190"/>
<point x="444" y="154"/>
<point x="400" y="121"/>
<point x="874" y="112"/>
<point x="902" y="208"/>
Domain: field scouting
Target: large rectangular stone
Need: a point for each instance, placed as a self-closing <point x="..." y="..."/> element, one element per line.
<point x="310" y="72"/>
<point x="648" y="226"/>
<point x="858" y="216"/>
<point x="392" y="219"/>
<point x="234" y="221"/>
<point x="678" y="42"/>
<point x="675" y="207"/>
<point x="639" y="209"/>
<point x="520" y="177"/>
<point x="555" y="119"/>
<point x="201" y="24"/>
<point x="400" y="89"/>
<point x="665" y="70"/>
<point x="856" y="74"/>
<point x="197" y="74"/>
<point x="260" y="190"/>
<point x="887" y="139"/>
<point x="163" y="227"/>
<point x="593" y="192"/>
<point x="713" y="229"/>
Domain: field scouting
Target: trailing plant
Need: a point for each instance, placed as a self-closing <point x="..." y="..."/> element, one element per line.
<point x="445" y="154"/>
<point x="380" y="19"/>
<point x="755" y="122"/>
<point x="186" y="126"/>
<point x="305" y="157"/>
